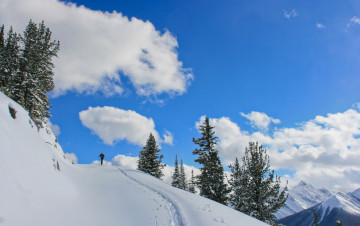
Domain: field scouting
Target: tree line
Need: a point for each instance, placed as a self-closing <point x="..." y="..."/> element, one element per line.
<point x="26" y="68"/>
<point x="253" y="188"/>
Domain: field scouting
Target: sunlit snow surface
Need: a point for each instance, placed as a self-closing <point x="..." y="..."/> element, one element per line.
<point x="40" y="187"/>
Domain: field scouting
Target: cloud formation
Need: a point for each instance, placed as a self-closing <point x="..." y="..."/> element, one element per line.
<point x="168" y="138"/>
<point x="290" y="14"/>
<point x="54" y="128"/>
<point x="71" y="157"/>
<point x="114" y="124"/>
<point x="323" y="151"/>
<point x="260" y="120"/>
<point x="96" y="47"/>
<point x="355" y="20"/>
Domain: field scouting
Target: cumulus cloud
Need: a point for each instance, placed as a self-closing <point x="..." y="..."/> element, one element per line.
<point x="96" y="47"/>
<point x="168" y="138"/>
<point x="128" y="162"/>
<point x="125" y="162"/>
<point x="54" y="128"/>
<point x="260" y="120"/>
<point x="114" y="124"/>
<point x="290" y="14"/>
<point x="323" y="151"/>
<point x="71" y="157"/>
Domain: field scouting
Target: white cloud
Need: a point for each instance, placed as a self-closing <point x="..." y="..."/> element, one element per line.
<point x="71" y="157"/>
<point x="290" y="14"/>
<point x="125" y="162"/>
<point x="54" y="128"/>
<point x="323" y="151"/>
<point x="353" y="21"/>
<point x="168" y="138"/>
<point x="260" y="120"/>
<point x="114" y="124"/>
<point x="320" y="26"/>
<point x="96" y="46"/>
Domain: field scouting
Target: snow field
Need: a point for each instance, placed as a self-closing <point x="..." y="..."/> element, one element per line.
<point x="39" y="186"/>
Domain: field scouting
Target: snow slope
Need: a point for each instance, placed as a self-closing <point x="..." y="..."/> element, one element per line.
<point x="39" y="186"/>
<point x="302" y="196"/>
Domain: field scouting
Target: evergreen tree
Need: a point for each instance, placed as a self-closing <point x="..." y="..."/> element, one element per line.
<point x="257" y="186"/>
<point x="192" y="183"/>
<point x="316" y="218"/>
<point x="183" y="184"/>
<point x="9" y="60"/>
<point x="176" y="176"/>
<point x="26" y="69"/>
<point x="211" y="180"/>
<point x="36" y="71"/>
<point x="2" y="70"/>
<point x="149" y="160"/>
<point x="238" y="198"/>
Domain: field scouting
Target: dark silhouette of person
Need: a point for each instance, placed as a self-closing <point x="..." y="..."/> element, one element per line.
<point x="102" y="156"/>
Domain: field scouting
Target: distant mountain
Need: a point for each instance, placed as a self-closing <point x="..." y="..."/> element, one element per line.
<point x="343" y="207"/>
<point x="301" y="197"/>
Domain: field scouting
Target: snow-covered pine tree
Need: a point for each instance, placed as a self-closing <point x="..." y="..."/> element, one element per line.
<point x="2" y="45"/>
<point x="183" y="184"/>
<point x="35" y="77"/>
<point x="176" y="176"/>
<point x="211" y="179"/>
<point x="261" y="187"/>
<point x="9" y="60"/>
<point x="238" y="197"/>
<point x="149" y="160"/>
<point x="192" y="183"/>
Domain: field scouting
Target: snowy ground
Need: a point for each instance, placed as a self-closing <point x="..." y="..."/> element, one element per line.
<point x="39" y="186"/>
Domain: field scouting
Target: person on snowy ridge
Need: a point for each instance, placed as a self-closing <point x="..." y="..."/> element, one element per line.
<point x="102" y="156"/>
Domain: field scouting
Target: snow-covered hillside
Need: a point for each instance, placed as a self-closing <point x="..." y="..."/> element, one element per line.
<point x="39" y="186"/>
<point x="302" y="196"/>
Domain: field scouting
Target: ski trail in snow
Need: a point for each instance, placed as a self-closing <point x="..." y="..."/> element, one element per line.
<point x="174" y="211"/>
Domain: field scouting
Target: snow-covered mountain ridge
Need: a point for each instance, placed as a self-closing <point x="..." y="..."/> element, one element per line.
<point x="339" y="207"/>
<point x="39" y="186"/>
<point x="302" y="196"/>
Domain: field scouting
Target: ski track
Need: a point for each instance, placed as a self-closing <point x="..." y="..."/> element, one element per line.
<point x="173" y="209"/>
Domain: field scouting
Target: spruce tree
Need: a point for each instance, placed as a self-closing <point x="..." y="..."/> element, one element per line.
<point x="176" y="176"/>
<point x="192" y="183"/>
<point x="257" y="185"/>
<point x="149" y="159"/>
<point x="9" y="60"/>
<point x="2" y="70"/>
<point x="26" y="69"/>
<point x="238" y="197"/>
<point x="183" y="184"/>
<point x="36" y="71"/>
<point x="211" y="180"/>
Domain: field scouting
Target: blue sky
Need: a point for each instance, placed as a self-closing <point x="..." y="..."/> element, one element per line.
<point x="270" y="71"/>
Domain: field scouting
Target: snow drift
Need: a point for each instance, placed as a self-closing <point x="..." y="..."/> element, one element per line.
<point x="39" y="186"/>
